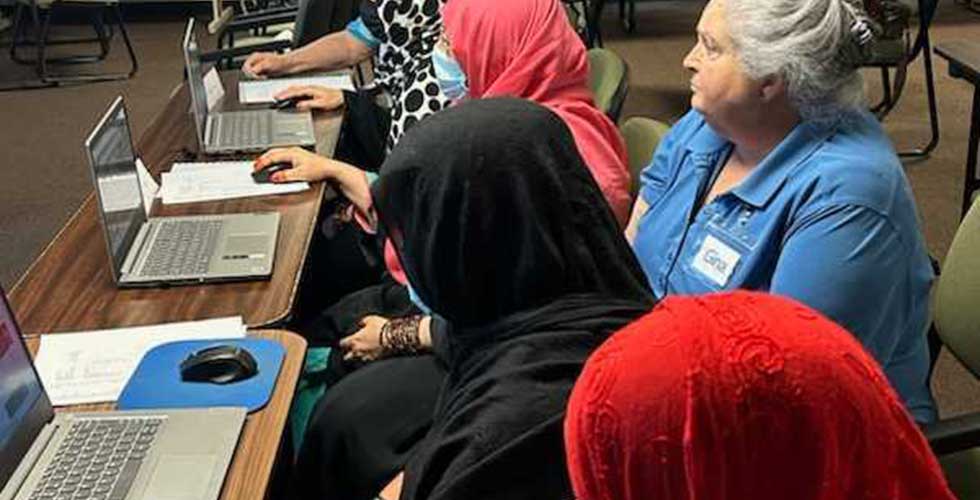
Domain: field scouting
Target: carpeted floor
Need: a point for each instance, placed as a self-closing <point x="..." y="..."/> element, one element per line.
<point x="43" y="176"/>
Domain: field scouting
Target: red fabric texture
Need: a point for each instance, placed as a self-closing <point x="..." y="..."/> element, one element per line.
<point x="393" y="263"/>
<point x="527" y="49"/>
<point x="741" y="396"/>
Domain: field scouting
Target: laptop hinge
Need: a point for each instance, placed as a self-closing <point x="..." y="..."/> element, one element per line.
<point x="26" y="465"/>
<point x="136" y="250"/>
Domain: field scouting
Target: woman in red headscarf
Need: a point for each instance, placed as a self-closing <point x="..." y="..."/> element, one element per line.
<point x="527" y="49"/>
<point x="741" y="395"/>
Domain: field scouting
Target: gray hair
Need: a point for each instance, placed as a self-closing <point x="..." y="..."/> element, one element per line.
<point x="814" y="45"/>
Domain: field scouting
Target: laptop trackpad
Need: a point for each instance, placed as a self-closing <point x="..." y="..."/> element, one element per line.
<point x="181" y="477"/>
<point x="246" y="244"/>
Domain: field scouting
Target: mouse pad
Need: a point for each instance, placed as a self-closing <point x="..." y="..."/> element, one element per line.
<point x="156" y="382"/>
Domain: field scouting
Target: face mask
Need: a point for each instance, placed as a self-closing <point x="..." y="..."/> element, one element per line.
<point x="451" y="78"/>
<point x="414" y="297"/>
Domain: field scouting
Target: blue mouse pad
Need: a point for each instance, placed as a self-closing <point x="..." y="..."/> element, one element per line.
<point x="157" y="384"/>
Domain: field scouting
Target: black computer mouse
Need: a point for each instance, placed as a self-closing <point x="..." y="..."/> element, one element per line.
<point x="220" y="364"/>
<point x="264" y="175"/>
<point x="288" y="103"/>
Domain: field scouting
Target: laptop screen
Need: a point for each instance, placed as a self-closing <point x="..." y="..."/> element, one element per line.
<point x="195" y="80"/>
<point x="110" y="150"/>
<point x="24" y="407"/>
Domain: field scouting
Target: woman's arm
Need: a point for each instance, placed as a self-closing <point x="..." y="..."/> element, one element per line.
<point x="331" y="52"/>
<point x="311" y="167"/>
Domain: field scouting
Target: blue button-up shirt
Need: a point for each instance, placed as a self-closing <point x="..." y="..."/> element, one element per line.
<point x="826" y="218"/>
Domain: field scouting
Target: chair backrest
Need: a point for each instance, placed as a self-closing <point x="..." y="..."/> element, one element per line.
<point x="642" y="137"/>
<point x="315" y="18"/>
<point x="956" y="301"/>
<point x="608" y="81"/>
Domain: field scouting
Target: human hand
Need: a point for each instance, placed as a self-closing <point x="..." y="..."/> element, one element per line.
<point x="313" y="97"/>
<point x="262" y="64"/>
<point x="306" y="166"/>
<point x="365" y="344"/>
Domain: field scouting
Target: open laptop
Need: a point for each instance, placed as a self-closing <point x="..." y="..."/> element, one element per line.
<point x="236" y="131"/>
<point x="169" y="250"/>
<point x="116" y="455"/>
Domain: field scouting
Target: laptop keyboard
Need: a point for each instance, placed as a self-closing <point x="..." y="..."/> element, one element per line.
<point x="245" y="128"/>
<point x="182" y="247"/>
<point x="98" y="460"/>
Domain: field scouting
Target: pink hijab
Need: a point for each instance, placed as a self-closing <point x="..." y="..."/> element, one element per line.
<point x="527" y="49"/>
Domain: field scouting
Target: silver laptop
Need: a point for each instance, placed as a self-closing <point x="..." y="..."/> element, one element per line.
<point x="117" y="455"/>
<point x="236" y="131"/>
<point x="169" y="250"/>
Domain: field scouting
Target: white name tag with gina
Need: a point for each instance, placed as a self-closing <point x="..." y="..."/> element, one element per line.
<point x="716" y="260"/>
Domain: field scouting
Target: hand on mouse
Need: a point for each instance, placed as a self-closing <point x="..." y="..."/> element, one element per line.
<point x="313" y="97"/>
<point x="307" y="166"/>
<point x="365" y="344"/>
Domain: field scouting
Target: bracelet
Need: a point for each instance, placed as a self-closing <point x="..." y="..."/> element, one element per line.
<point x="400" y="336"/>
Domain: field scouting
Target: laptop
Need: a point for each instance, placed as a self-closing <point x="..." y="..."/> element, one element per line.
<point x="240" y="131"/>
<point x="168" y="250"/>
<point x="117" y="455"/>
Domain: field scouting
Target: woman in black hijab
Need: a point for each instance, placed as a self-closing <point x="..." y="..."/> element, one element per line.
<point x="505" y="235"/>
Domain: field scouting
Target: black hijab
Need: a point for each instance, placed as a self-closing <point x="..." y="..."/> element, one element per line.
<point x="504" y="233"/>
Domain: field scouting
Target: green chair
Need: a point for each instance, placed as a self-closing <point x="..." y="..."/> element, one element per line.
<point x="608" y="80"/>
<point x="642" y="136"/>
<point x="956" y="317"/>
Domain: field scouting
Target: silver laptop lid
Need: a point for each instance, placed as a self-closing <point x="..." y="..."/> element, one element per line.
<point x="195" y="80"/>
<point x="110" y="153"/>
<point x="24" y="406"/>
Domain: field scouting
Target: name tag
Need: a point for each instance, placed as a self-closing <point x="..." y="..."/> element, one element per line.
<point x="213" y="89"/>
<point x="716" y="260"/>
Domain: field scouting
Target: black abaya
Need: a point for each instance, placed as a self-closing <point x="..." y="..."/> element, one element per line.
<point x="504" y="233"/>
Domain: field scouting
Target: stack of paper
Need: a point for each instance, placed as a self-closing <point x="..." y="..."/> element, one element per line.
<point x="94" y="366"/>
<point x="195" y="182"/>
<point x="262" y="91"/>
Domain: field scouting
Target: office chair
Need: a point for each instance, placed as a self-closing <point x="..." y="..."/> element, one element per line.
<point x="39" y="15"/>
<point x="642" y="136"/>
<point x="894" y="55"/>
<point x="223" y="14"/>
<point x="609" y="82"/>
<point x="956" y="318"/>
<point x="311" y="20"/>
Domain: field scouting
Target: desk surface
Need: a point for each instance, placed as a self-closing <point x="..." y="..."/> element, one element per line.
<point x="965" y="55"/>
<point x="251" y="468"/>
<point x="70" y="287"/>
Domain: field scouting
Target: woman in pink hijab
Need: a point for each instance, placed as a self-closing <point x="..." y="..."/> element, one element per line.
<point x="527" y="49"/>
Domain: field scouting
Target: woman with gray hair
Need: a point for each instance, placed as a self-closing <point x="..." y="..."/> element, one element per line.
<point x="779" y="180"/>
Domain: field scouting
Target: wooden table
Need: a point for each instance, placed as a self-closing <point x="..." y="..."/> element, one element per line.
<point x="964" y="62"/>
<point x="251" y="468"/>
<point x="70" y="286"/>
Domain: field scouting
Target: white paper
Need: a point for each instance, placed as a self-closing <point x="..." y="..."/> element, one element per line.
<point x="213" y="89"/>
<point x="94" y="366"/>
<point x="120" y="193"/>
<point x="196" y="182"/>
<point x="148" y="186"/>
<point x="262" y="91"/>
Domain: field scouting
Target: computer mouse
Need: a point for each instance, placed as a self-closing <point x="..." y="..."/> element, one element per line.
<point x="264" y="175"/>
<point x="220" y="364"/>
<point x="288" y="103"/>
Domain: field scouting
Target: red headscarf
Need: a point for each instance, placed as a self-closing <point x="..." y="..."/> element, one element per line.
<point x="737" y="396"/>
<point x="527" y="49"/>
